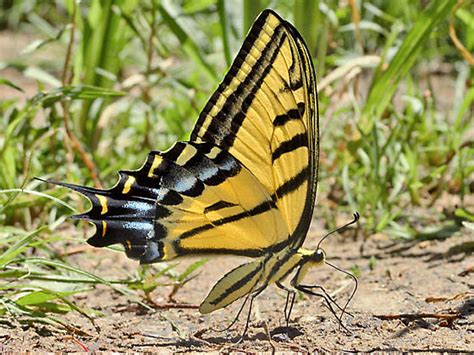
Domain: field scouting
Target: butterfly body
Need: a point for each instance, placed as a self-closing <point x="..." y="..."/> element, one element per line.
<point x="259" y="274"/>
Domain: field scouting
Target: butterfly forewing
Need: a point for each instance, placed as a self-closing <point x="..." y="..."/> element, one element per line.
<point x="264" y="113"/>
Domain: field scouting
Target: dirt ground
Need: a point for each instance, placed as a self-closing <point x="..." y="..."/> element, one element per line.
<point x="426" y="287"/>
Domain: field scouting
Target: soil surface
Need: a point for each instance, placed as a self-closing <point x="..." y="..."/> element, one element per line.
<point x="414" y="297"/>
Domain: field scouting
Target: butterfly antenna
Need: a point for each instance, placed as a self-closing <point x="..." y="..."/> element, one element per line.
<point x="40" y="179"/>
<point x="353" y="291"/>
<point x="356" y="218"/>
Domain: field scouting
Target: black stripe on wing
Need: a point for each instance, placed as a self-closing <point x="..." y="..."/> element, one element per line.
<point x="298" y="141"/>
<point x="225" y="124"/>
<point x="293" y="114"/>
<point x="236" y="286"/>
<point x="262" y="208"/>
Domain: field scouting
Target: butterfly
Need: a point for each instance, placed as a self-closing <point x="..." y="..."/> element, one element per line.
<point x="244" y="184"/>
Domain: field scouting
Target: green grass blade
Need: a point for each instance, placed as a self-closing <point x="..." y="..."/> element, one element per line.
<point x="88" y="275"/>
<point x="464" y="108"/>
<point x="307" y="19"/>
<point x="31" y="192"/>
<point x="191" y="268"/>
<point x="19" y="247"/>
<point x="225" y="30"/>
<point x="73" y="92"/>
<point x="251" y="10"/>
<point x="189" y="45"/>
<point x="382" y="90"/>
<point x="97" y="59"/>
<point x="7" y="82"/>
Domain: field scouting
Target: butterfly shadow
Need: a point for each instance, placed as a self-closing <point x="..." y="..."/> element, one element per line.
<point x="280" y="334"/>
<point x="285" y="333"/>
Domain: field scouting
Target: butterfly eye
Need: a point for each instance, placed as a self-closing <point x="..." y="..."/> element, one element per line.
<point x="319" y="255"/>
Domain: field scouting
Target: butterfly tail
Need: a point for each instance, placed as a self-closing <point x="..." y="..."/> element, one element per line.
<point x="122" y="218"/>
<point x="141" y="211"/>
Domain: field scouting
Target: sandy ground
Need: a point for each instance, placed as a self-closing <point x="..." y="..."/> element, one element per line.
<point x="426" y="287"/>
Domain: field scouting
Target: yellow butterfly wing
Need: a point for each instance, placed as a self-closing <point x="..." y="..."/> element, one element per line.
<point x="265" y="114"/>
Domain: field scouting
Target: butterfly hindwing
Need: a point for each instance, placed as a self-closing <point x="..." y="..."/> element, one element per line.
<point x="193" y="199"/>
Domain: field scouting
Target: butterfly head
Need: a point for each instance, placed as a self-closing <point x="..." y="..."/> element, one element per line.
<point x="317" y="256"/>
<point x="312" y="257"/>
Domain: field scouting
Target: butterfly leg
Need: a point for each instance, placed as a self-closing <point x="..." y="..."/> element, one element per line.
<point x="308" y="291"/>
<point x="251" y="296"/>
<point x="333" y="301"/>
<point x="290" y="300"/>
<point x="237" y="316"/>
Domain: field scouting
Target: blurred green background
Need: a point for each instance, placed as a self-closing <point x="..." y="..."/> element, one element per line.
<point x="88" y="88"/>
